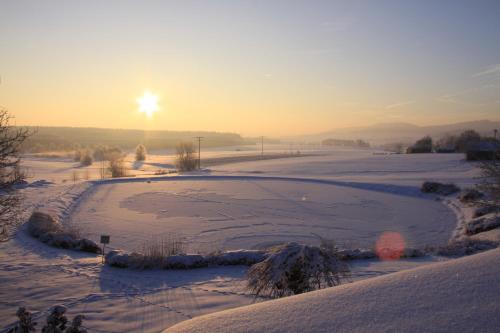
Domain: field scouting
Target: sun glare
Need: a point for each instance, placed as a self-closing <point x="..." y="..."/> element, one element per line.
<point x="148" y="104"/>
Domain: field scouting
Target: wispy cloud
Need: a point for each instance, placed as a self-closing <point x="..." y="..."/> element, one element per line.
<point x="492" y="70"/>
<point x="399" y="104"/>
<point x="476" y="96"/>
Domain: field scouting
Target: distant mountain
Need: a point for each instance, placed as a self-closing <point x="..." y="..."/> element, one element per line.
<point x="400" y="132"/>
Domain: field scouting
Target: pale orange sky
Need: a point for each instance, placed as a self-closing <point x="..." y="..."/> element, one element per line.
<point x="253" y="68"/>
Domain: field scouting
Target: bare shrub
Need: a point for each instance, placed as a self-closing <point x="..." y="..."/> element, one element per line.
<point x="157" y="249"/>
<point x="439" y="188"/>
<point x="153" y="254"/>
<point x="186" y="160"/>
<point x="466" y="139"/>
<point x="140" y="153"/>
<point x="293" y="269"/>
<point x="116" y="165"/>
<point x="490" y="180"/>
<point x="76" y="325"/>
<point x="77" y="157"/>
<point x="86" y="158"/>
<point x="423" y="145"/>
<point x="11" y="139"/>
<point x="470" y="195"/>
<point x="483" y="223"/>
<point x="465" y="247"/>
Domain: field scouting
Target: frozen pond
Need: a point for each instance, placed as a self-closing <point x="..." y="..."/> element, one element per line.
<point x="252" y="212"/>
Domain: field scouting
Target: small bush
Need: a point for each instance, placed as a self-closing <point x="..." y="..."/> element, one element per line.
<point x="140" y="153"/>
<point x="41" y="223"/>
<point x="465" y="247"/>
<point x="25" y="324"/>
<point x="293" y="269"/>
<point x="186" y="160"/>
<point x="50" y="231"/>
<point x="77" y="157"/>
<point x="156" y="250"/>
<point x="466" y="140"/>
<point x="470" y="195"/>
<point x="490" y="180"/>
<point x="56" y="321"/>
<point x="439" y="188"/>
<point x="153" y="254"/>
<point x="423" y="145"/>
<point x="76" y="325"/>
<point x="102" y="153"/>
<point x="485" y="209"/>
<point x="116" y="165"/>
<point x="483" y="223"/>
<point x="86" y="158"/>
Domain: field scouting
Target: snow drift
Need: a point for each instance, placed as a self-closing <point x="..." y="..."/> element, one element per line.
<point x="461" y="295"/>
<point x="123" y="259"/>
<point x="50" y="231"/>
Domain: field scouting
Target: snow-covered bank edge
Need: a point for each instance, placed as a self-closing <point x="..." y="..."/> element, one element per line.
<point x="63" y="205"/>
<point x="48" y="221"/>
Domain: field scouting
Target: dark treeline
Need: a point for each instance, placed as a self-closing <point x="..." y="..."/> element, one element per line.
<point x="71" y="138"/>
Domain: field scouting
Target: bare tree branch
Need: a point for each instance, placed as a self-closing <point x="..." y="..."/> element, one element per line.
<point x="11" y="139"/>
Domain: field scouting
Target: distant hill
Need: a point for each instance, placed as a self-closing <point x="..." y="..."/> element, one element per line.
<point x="68" y="138"/>
<point x="400" y="132"/>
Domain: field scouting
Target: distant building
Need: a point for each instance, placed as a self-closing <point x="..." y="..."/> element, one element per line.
<point x="483" y="150"/>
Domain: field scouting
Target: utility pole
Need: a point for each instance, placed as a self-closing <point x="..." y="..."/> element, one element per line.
<point x="495" y="131"/>
<point x="199" y="150"/>
<point x="262" y="146"/>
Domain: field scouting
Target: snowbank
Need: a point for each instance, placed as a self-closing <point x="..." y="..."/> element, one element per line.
<point x="459" y="295"/>
<point x="123" y="259"/>
<point x="50" y="231"/>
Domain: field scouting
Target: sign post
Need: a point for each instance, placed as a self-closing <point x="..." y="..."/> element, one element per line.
<point x="104" y="241"/>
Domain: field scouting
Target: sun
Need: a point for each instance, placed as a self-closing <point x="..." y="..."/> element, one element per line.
<point x="148" y="104"/>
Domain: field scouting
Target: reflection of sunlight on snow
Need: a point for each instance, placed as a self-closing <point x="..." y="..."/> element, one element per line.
<point x="390" y="245"/>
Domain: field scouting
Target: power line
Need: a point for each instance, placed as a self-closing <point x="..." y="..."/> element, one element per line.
<point x="199" y="138"/>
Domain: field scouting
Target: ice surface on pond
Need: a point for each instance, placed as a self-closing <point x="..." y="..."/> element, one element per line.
<point x="255" y="213"/>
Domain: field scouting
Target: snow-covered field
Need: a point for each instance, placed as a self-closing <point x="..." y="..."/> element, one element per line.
<point x="351" y="196"/>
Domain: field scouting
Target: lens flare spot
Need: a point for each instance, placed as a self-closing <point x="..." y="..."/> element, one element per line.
<point x="390" y="246"/>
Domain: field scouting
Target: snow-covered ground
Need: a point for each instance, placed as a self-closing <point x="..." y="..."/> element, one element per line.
<point x="348" y="195"/>
<point x="459" y="295"/>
